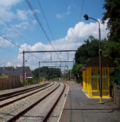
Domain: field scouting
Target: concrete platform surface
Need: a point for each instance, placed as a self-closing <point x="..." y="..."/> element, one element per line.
<point x="80" y="108"/>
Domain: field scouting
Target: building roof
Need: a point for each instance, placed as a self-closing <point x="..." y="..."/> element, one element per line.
<point x="19" y="70"/>
<point x="94" y="62"/>
<point x="5" y="71"/>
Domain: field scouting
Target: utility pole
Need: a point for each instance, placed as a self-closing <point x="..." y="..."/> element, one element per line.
<point x="23" y="67"/>
<point x="60" y="72"/>
<point x="39" y="71"/>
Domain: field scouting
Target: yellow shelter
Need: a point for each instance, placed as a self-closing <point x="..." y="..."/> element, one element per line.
<point x="91" y="77"/>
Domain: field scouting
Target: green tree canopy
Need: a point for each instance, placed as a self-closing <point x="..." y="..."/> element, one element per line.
<point x="88" y="50"/>
<point x="112" y="14"/>
<point x="48" y="73"/>
<point x="111" y="48"/>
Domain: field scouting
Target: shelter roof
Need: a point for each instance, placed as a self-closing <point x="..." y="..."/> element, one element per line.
<point x="94" y="62"/>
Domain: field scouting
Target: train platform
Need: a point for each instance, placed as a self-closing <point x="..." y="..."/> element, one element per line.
<point x="3" y="92"/>
<point x="80" y="108"/>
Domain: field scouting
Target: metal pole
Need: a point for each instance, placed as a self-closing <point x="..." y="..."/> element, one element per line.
<point x="100" y="61"/>
<point x="60" y="72"/>
<point x="23" y="68"/>
<point x="100" y="65"/>
<point x="39" y="71"/>
<point x="53" y="73"/>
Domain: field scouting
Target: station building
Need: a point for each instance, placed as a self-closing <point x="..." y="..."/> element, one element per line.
<point x="91" y="83"/>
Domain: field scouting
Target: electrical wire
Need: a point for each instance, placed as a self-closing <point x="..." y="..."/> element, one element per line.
<point x="35" y="15"/>
<point x="18" y="34"/>
<point x="15" y="44"/>
<point x="79" y="21"/>
<point x="9" y="50"/>
<point x="10" y="41"/>
<point x="46" y="22"/>
<point x="14" y="31"/>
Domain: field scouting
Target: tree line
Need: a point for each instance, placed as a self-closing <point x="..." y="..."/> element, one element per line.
<point x="48" y="73"/>
<point x="110" y="46"/>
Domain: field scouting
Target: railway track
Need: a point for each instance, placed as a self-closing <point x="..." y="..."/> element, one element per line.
<point x="8" y="100"/>
<point x="21" y="91"/>
<point x="21" y="110"/>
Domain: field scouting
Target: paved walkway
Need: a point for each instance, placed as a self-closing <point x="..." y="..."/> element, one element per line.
<point x="79" y="108"/>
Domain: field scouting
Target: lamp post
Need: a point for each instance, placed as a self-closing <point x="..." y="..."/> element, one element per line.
<point x="100" y="53"/>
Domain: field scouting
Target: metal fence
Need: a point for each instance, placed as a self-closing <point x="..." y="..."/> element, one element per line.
<point x="10" y="81"/>
<point x="116" y="89"/>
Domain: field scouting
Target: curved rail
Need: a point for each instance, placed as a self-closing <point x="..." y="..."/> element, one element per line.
<point x="8" y="103"/>
<point x="52" y="108"/>
<point x="6" y="95"/>
<point x="13" y="119"/>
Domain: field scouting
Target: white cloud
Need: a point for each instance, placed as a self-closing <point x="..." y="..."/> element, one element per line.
<point x="5" y="9"/>
<point x="9" y="64"/>
<point x="34" y="22"/>
<point x="22" y="15"/>
<point x="22" y="25"/>
<point x="9" y="3"/>
<point x="64" y="14"/>
<point x="5" y="43"/>
<point x="68" y="10"/>
<point x="79" y="33"/>
<point x="60" y="15"/>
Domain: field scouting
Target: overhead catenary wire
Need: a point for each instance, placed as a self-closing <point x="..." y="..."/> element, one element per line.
<point x="15" y="44"/>
<point x="47" y="22"/>
<point x="9" y="50"/>
<point x="15" y="31"/>
<point x="35" y="15"/>
<point x="18" y="34"/>
<point x="79" y="21"/>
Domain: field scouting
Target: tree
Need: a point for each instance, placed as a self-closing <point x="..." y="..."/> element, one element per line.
<point x="111" y="49"/>
<point x="48" y="73"/>
<point x="88" y="50"/>
<point x="76" y="70"/>
<point x="112" y="14"/>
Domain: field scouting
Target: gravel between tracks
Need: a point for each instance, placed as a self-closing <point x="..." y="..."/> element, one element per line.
<point x="9" y="111"/>
<point x="22" y="95"/>
<point x="56" y="114"/>
<point x="38" y="112"/>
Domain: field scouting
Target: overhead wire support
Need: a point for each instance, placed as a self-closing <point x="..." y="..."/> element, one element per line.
<point x="18" y="34"/>
<point x="16" y="45"/>
<point x="50" y="51"/>
<point x="54" y="61"/>
<point x="35" y="15"/>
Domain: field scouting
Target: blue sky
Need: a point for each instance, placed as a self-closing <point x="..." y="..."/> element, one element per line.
<point x="68" y="27"/>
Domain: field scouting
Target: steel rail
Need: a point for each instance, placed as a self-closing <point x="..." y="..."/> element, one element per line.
<point x="13" y="119"/>
<point x="8" y="103"/>
<point x="54" y="105"/>
<point x="17" y="91"/>
<point x="24" y="91"/>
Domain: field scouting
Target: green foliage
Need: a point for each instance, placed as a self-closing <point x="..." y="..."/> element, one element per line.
<point x="88" y="50"/>
<point x="113" y="15"/>
<point x="112" y="46"/>
<point x="56" y="79"/>
<point x="48" y="73"/>
<point x="111" y="50"/>
<point x="3" y="74"/>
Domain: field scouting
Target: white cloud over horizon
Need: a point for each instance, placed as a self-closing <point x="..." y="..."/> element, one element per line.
<point x="79" y="33"/>
<point x="64" y="14"/>
<point x="74" y="38"/>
